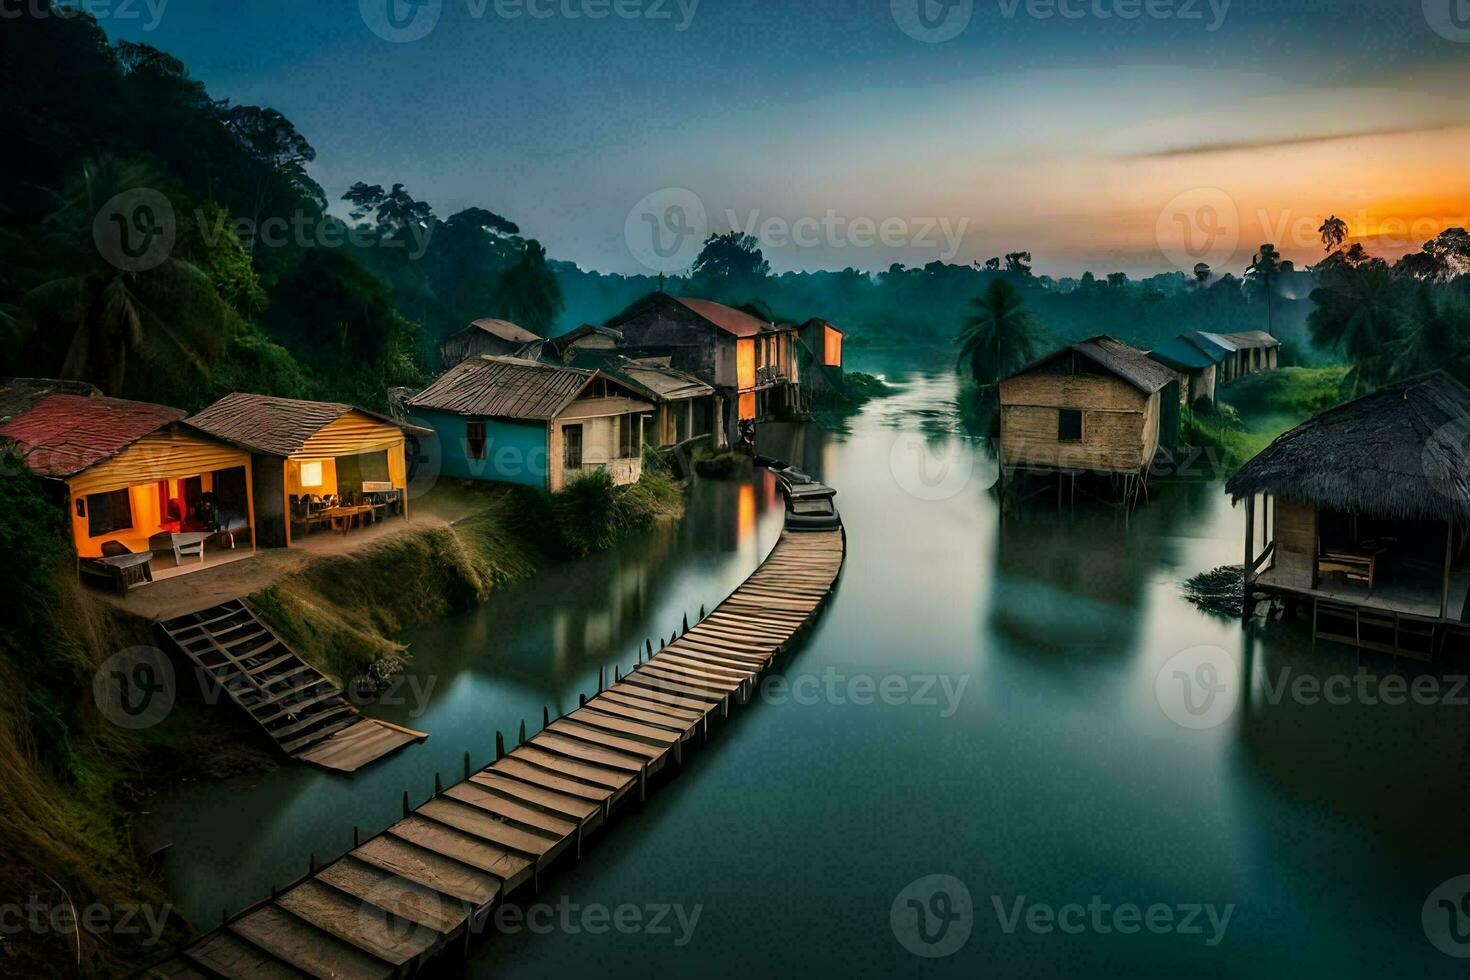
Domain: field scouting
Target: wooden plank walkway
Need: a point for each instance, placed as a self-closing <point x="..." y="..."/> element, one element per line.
<point x="298" y="708"/>
<point x="396" y="900"/>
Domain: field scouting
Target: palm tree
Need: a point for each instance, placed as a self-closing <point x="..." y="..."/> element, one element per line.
<point x="1265" y="267"/>
<point x="1357" y="311"/>
<point x="1333" y="231"/>
<point x="171" y="310"/>
<point x="999" y="337"/>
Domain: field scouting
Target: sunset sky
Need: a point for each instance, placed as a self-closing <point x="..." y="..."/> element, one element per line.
<point x="1093" y="141"/>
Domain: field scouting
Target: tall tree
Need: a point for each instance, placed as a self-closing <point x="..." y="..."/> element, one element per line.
<point x="529" y="293"/>
<point x="1334" y="232"/>
<point x="999" y="336"/>
<point x="1357" y="312"/>
<point x="733" y="255"/>
<point x="1264" y="268"/>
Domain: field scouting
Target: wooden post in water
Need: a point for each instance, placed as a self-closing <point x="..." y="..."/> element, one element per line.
<point x="701" y="612"/>
<point x="356" y="841"/>
<point x="601" y="679"/>
<point x="649" y="643"/>
<point x="466" y="765"/>
<point x="438" y="786"/>
<point x="686" y="622"/>
<point x="312" y="865"/>
<point x="581" y="700"/>
<point x="643" y="784"/>
<point x="521" y="738"/>
<point x="545" y="717"/>
<point x="406" y="810"/>
<point x="499" y="746"/>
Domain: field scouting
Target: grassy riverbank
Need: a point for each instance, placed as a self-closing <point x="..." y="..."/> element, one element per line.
<point x="72" y="779"/>
<point x="1254" y="410"/>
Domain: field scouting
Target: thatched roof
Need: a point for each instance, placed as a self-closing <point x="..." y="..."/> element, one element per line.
<point x="1401" y="452"/>
<point x="491" y="386"/>
<point x="1115" y="357"/>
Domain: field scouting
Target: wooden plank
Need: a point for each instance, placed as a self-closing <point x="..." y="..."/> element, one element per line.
<point x="603" y="776"/>
<point x="565" y="805"/>
<point x="634" y="698"/>
<point x="227" y="955"/>
<point x="432" y="870"/>
<point x="642" y="693"/>
<point x="680" y="682"/>
<point x="581" y="749"/>
<point x="592" y="717"/>
<point x="529" y="817"/>
<point x="365" y="925"/>
<point x="472" y="820"/>
<point x="616" y="708"/>
<point x="306" y="947"/>
<point x="464" y="848"/>
<point x="525" y="772"/>
<point x="397" y="895"/>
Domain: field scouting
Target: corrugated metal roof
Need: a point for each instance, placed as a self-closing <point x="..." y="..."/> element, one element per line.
<point x="504" y="387"/>
<point x="1214" y="345"/>
<point x="725" y="317"/>
<point x="1128" y="363"/>
<point x="1252" y="338"/>
<point x="504" y="329"/>
<point x="654" y="381"/>
<point x="278" y="426"/>
<point x="20" y="395"/>
<point x="62" y="435"/>
<point x="1181" y="354"/>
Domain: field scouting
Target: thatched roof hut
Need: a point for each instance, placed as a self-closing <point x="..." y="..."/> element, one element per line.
<point x="1400" y="452"/>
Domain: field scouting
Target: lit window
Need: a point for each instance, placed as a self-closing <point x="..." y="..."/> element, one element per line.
<point x="311" y="473"/>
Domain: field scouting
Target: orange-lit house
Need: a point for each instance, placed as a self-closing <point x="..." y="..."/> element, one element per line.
<point x="314" y="464"/>
<point x="136" y="477"/>
<point x="752" y="363"/>
<point x="820" y="354"/>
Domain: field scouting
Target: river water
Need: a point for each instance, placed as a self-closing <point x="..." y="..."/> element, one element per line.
<point x="1110" y="782"/>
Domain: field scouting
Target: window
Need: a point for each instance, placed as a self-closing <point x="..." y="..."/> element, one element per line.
<point x="1069" y="425"/>
<point x="571" y="437"/>
<point x="629" y="436"/>
<point x="108" y="512"/>
<point x="474" y="434"/>
<point x="831" y="347"/>
<point x="311" y="473"/>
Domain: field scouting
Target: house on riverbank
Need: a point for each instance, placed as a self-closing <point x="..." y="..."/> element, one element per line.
<point x="1195" y="368"/>
<point x="313" y="464"/>
<point x="1256" y="351"/>
<point x="1363" y="511"/>
<point x="1096" y="406"/>
<point x="135" y="478"/>
<point x="684" y="407"/>
<point x="521" y="421"/>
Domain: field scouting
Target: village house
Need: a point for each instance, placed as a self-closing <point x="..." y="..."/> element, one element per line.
<point x="1256" y="351"/>
<point x="314" y="465"/>
<point x="485" y="336"/>
<point x="819" y="349"/>
<point x="1363" y="510"/>
<point x="138" y="481"/>
<point x="522" y="421"/>
<point x="684" y="407"/>
<point x="752" y="363"/>
<point x="1096" y="406"/>
<point x="1195" y="368"/>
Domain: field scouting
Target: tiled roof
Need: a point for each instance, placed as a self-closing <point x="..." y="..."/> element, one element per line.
<point x="20" y="395"/>
<point x="725" y="317"/>
<point x="62" y="435"/>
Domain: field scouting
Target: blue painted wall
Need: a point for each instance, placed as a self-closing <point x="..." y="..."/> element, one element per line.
<point x="515" y="452"/>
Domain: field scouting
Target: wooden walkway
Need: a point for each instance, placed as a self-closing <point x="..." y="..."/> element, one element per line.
<point x="298" y="708"/>
<point x="433" y="878"/>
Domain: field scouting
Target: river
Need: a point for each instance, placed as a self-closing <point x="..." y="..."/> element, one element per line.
<point x="987" y="699"/>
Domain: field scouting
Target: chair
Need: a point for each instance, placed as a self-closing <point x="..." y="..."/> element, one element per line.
<point x="118" y="568"/>
<point x="187" y="546"/>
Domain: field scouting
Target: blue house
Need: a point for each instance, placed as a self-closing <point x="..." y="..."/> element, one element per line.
<point x="514" y="420"/>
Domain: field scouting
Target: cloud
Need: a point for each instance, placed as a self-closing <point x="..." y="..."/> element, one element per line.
<point x="1282" y="142"/>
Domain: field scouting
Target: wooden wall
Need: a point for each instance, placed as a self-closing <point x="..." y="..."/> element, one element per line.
<point x="1120" y="424"/>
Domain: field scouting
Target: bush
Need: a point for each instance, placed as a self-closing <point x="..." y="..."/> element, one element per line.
<point x="591" y="514"/>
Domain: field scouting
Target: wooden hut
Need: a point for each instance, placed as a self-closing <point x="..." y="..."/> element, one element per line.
<point x="485" y="336"/>
<point x="684" y="406"/>
<point x="521" y="421"/>
<point x="1257" y="350"/>
<point x="1196" y="369"/>
<point x="135" y="476"/>
<point x="1362" y="510"/>
<point x="1096" y="406"/>
<point x="314" y="464"/>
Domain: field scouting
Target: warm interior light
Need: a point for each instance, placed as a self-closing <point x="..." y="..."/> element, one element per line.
<point x="311" y="473"/>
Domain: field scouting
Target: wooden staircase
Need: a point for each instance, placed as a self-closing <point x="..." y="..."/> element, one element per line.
<point x="304" y="713"/>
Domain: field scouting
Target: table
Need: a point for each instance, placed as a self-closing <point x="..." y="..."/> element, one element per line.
<point x="342" y="517"/>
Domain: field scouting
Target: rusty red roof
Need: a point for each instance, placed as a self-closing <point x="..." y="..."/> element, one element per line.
<point x="725" y="317"/>
<point x="62" y="435"/>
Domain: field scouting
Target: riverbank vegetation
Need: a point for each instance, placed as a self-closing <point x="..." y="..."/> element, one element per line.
<point x="1251" y="411"/>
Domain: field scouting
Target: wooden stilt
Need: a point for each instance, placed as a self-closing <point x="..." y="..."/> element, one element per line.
<point x="601" y="679"/>
<point x="406" y="809"/>
<point x="438" y="786"/>
<point x="466" y="765"/>
<point x="545" y="716"/>
<point x="521" y="736"/>
<point x="499" y="746"/>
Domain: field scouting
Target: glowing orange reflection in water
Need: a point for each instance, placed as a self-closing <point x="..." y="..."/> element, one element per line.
<point x="747" y="512"/>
